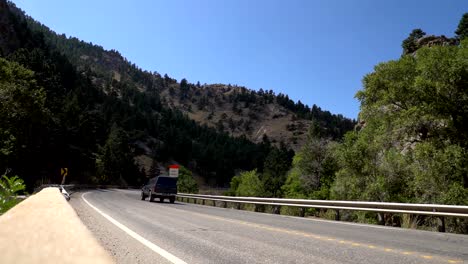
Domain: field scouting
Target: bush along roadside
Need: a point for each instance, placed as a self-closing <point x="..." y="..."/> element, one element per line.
<point x="9" y="189"/>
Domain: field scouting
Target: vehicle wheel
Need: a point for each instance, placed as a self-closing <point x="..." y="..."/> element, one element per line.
<point x="151" y="198"/>
<point x="172" y="200"/>
<point x="161" y="200"/>
<point x="143" y="197"/>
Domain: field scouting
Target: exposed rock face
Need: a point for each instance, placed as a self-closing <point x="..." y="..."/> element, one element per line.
<point x="433" y="40"/>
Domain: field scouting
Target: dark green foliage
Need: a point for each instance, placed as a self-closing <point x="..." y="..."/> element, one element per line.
<point x="63" y="123"/>
<point x="462" y="30"/>
<point x="410" y="44"/>
<point x="114" y="161"/>
<point x="154" y="169"/>
<point x="184" y="88"/>
<point x="23" y="117"/>
<point x="276" y="165"/>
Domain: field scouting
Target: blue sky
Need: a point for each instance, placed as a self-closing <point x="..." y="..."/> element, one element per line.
<point x="314" y="51"/>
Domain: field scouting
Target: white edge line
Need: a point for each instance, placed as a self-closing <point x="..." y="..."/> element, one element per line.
<point x="153" y="247"/>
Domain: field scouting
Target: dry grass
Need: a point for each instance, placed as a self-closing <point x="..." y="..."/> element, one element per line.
<point x="409" y="221"/>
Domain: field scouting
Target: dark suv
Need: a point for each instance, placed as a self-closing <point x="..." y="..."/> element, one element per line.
<point x="161" y="187"/>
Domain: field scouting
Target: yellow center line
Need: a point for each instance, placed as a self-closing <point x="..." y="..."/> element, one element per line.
<point x="311" y="235"/>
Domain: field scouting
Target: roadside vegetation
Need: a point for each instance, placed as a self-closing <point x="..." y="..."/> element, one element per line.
<point x="10" y="187"/>
<point x="185" y="182"/>
<point x="411" y="144"/>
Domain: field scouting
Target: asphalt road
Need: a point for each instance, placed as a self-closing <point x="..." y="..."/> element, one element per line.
<point x="136" y="231"/>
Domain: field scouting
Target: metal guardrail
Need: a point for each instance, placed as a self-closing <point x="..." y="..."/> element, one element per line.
<point x="379" y="207"/>
<point x="438" y="210"/>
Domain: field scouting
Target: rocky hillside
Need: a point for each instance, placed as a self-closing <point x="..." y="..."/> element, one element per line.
<point x="239" y="111"/>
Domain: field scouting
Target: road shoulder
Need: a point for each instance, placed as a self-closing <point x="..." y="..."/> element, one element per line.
<point x="121" y="247"/>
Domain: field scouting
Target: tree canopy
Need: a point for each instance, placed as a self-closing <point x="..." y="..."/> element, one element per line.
<point x="462" y="30"/>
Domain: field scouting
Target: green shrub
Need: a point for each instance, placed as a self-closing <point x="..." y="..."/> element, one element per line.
<point x="186" y="183"/>
<point x="247" y="183"/>
<point x="9" y="189"/>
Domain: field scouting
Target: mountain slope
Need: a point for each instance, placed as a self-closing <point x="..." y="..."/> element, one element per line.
<point x="96" y="126"/>
<point x="232" y="109"/>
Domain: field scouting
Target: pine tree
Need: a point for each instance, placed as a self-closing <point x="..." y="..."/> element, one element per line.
<point x="462" y="30"/>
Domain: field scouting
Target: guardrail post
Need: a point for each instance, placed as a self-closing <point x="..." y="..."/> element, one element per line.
<point x="224" y="204"/>
<point x="238" y="206"/>
<point x="302" y="212"/>
<point x="337" y="215"/>
<point x="441" y="227"/>
<point x="277" y="209"/>
<point x="203" y="201"/>
<point x="380" y="219"/>
<point x="214" y="203"/>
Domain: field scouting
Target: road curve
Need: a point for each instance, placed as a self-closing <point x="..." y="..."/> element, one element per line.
<point x="203" y="234"/>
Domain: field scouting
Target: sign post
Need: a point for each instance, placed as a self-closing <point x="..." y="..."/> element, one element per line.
<point x="174" y="171"/>
<point x="63" y="173"/>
